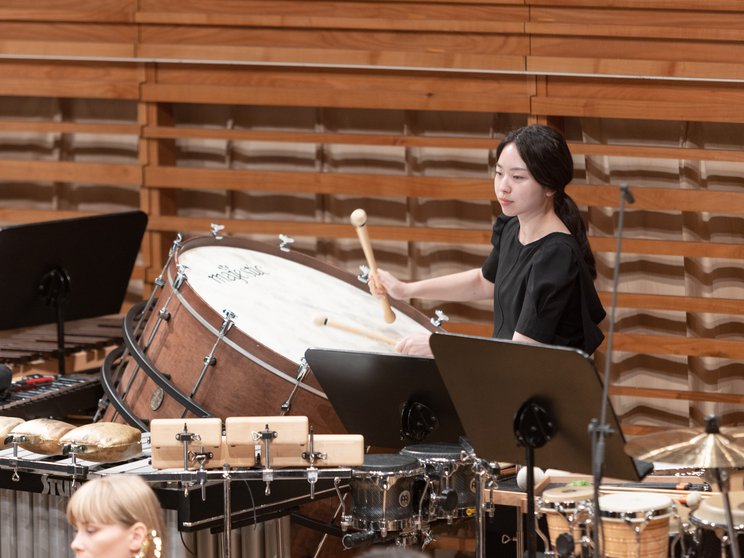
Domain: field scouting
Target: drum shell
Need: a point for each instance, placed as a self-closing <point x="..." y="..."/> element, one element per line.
<point x="237" y="385"/>
<point x="618" y="525"/>
<point x="382" y="494"/>
<point x="446" y="469"/>
<point x="567" y="510"/>
<point x="709" y="519"/>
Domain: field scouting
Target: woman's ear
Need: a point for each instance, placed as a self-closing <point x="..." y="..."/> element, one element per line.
<point x="137" y="536"/>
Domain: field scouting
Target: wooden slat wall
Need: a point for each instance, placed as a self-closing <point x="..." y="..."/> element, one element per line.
<point x="582" y="65"/>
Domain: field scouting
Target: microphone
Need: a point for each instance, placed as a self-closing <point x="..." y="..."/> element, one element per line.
<point x="627" y="194"/>
<point x="600" y="429"/>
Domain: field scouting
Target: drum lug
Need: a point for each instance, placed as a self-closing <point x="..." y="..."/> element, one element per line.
<point x="440" y="317"/>
<point x="216" y="231"/>
<point x="363" y="274"/>
<point x="285" y="242"/>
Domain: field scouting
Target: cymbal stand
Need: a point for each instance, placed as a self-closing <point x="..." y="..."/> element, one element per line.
<point x="722" y="478"/>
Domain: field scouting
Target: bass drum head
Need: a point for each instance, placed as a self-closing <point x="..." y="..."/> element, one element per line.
<point x="280" y="304"/>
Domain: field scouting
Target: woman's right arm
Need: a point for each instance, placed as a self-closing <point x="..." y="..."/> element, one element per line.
<point x="456" y="287"/>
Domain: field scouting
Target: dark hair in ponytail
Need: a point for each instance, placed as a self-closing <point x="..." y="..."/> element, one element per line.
<point x="549" y="161"/>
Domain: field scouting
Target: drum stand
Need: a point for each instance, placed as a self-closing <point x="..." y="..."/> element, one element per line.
<point x="721" y="477"/>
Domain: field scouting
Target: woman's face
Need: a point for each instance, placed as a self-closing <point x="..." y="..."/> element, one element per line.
<point x="94" y="540"/>
<point x="517" y="191"/>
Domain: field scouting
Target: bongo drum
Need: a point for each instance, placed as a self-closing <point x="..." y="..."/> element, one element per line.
<point x="712" y="526"/>
<point x="635" y="524"/>
<point x="229" y="331"/>
<point x="382" y="493"/>
<point x="567" y="510"/>
<point x="452" y="482"/>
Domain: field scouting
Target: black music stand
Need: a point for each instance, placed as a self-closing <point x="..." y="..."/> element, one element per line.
<point x="67" y="269"/>
<point x="523" y="403"/>
<point x="392" y="400"/>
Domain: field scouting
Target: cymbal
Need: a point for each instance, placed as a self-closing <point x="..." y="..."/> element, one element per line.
<point x="691" y="447"/>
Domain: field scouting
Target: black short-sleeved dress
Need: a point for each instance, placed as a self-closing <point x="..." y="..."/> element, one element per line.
<point x="543" y="289"/>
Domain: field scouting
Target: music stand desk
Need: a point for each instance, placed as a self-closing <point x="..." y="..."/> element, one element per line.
<point x="488" y="380"/>
<point x="370" y="391"/>
<point x="96" y="252"/>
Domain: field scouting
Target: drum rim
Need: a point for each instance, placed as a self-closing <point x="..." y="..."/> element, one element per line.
<point x="637" y="516"/>
<point x="455" y="456"/>
<point x="564" y="499"/>
<point x="294" y="256"/>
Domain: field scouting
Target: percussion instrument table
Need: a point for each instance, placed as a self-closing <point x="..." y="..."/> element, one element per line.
<point x="197" y="496"/>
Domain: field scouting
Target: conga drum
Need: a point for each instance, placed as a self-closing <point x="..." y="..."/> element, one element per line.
<point x="227" y="334"/>
<point x="636" y="524"/>
<point x="712" y="525"/>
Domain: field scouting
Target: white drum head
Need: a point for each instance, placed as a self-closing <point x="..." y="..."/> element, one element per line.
<point x="277" y="302"/>
<point x="712" y="512"/>
<point x="635" y="503"/>
<point x="568" y="494"/>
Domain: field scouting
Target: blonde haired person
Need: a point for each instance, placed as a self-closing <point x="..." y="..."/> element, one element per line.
<point x="116" y="517"/>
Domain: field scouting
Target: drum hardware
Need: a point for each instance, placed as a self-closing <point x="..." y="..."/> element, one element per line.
<point x="717" y="449"/>
<point x="382" y="500"/>
<point x="259" y="358"/>
<point x="312" y="456"/>
<point x="302" y="371"/>
<point x="141" y="320"/>
<point x="285" y="242"/>
<point x="216" y="231"/>
<point x="711" y="517"/>
<point x="568" y="511"/>
<point x="210" y="359"/>
<point x="439" y="318"/>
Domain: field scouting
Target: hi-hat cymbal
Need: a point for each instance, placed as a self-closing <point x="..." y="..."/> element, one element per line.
<point x="690" y="447"/>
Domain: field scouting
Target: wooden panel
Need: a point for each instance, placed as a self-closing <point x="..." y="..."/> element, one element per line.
<point x="649" y="99"/>
<point x="86" y="80"/>
<point x="459" y="16"/>
<point x="92" y="173"/>
<point x="68" y="10"/>
<point x="661" y="199"/>
<point x="276" y="181"/>
<point x="345" y="48"/>
<point x="688" y="25"/>
<point x="678" y="345"/>
<point x="675" y="303"/>
<point x="67" y="39"/>
<point x="260" y="86"/>
<point x="712" y="5"/>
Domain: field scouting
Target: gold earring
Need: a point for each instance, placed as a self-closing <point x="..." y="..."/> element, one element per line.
<point x="152" y="546"/>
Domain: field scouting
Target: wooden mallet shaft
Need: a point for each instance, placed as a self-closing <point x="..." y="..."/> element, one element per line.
<point x="356" y="330"/>
<point x="359" y="220"/>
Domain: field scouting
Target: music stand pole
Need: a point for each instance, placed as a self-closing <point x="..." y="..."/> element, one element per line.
<point x="533" y="427"/>
<point x="54" y="287"/>
<point x="600" y="430"/>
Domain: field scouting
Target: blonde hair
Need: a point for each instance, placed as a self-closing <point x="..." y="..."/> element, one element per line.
<point x="116" y="499"/>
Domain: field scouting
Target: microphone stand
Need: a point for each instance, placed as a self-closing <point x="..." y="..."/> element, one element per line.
<point x="600" y="430"/>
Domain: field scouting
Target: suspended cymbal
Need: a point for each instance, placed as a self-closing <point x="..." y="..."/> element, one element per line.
<point x="691" y="447"/>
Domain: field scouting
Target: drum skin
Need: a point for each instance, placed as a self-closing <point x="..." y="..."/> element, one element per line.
<point x="248" y="377"/>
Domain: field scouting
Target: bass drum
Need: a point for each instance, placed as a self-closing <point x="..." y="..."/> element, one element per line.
<point x="227" y="333"/>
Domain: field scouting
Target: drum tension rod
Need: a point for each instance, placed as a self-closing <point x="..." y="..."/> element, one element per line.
<point x="301" y="373"/>
<point x="265" y="437"/>
<point x="312" y="456"/>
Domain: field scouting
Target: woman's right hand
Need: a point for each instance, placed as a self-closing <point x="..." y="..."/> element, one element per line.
<point x="389" y="284"/>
